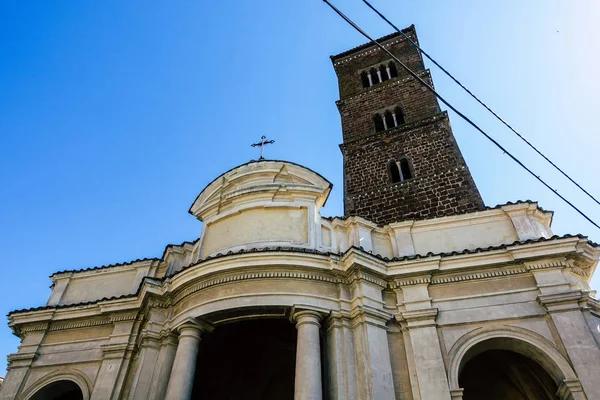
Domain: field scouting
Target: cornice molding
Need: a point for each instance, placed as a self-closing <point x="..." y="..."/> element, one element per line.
<point x="415" y="280"/>
<point x="81" y="324"/>
<point x="478" y="275"/>
<point x="252" y="276"/>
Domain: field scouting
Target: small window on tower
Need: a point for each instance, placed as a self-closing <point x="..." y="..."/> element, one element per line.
<point x="378" y="121"/>
<point x="374" y="76"/>
<point x="400" y="171"/>
<point x="389" y="120"/>
<point x="393" y="70"/>
<point x="383" y="73"/>
<point x="405" y="169"/>
<point x="394" y="171"/>
<point x="399" y="116"/>
<point x="364" y="78"/>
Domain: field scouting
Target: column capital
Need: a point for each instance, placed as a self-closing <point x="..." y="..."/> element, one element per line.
<point x="420" y="318"/>
<point x="568" y="301"/>
<point x="307" y="317"/>
<point x="193" y="327"/>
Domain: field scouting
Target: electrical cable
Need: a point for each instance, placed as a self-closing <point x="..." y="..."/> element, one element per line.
<point x="412" y="42"/>
<point x="464" y="117"/>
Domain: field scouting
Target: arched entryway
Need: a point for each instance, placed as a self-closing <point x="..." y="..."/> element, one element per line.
<point x="503" y="374"/>
<point x="516" y="360"/>
<point x="252" y="360"/>
<point x="59" y="390"/>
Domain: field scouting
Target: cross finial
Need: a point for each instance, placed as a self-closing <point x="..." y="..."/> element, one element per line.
<point x="262" y="144"/>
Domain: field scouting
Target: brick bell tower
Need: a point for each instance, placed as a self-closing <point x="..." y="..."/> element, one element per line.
<point x="401" y="160"/>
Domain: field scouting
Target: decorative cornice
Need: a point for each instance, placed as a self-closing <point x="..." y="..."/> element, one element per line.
<point x="369" y="47"/>
<point x="34" y="328"/>
<point x="123" y="317"/>
<point x="478" y="275"/>
<point x="359" y="275"/>
<point x="251" y="276"/>
<point x="415" y="280"/>
<point x="555" y="263"/>
<point x="81" y="324"/>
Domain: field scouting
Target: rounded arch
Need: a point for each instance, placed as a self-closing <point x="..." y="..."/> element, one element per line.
<point x="518" y="340"/>
<point x="76" y="377"/>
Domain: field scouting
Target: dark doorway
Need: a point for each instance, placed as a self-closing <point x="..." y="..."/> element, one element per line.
<point x="59" y="390"/>
<point x="251" y="360"/>
<point x="503" y="375"/>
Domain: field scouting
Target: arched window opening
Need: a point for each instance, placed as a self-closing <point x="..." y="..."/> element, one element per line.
<point x="59" y="390"/>
<point x="394" y="172"/>
<point x="378" y="121"/>
<point x="399" y="116"/>
<point x="393" y="70"/>
<point x="388" y="120"/>
<point x="383" y="73"/>
<point x="364" y="78"/>
<point x="405" y="169"/>
<point x="374" y="76"/>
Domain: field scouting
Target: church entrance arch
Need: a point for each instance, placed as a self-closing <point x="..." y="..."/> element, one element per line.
<point x="250" y="359"/>
<point x="59" y="390"/>
<point x="510" y="362"/>
<point x="503" y="374"/>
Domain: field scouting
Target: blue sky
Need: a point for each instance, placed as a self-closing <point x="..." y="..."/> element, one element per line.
<point x="115" y="114"/>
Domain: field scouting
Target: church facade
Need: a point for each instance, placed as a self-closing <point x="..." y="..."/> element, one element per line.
<point x="420" y="292"/>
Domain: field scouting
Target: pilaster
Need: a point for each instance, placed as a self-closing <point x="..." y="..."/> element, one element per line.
<point x="419" y="318"/>
<point x="340" y="368"/>
<point x="116" y="358"/>
<point x="565" y="311"/>
<point x="374" y="368"/>
<point x="19" y="363"/>
<point x="18" y="367"/>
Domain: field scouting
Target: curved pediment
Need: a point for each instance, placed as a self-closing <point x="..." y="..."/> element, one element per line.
<point x="260" y="183"/>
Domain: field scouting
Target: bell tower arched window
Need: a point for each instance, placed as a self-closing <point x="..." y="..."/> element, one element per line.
<point x="394" y="171"/>
<point x="364" y="78"/>
<point x="374" y="76"/>
<point x="378" y="121"/>
<point x="392" y="69"/>
<point x="400" y="171"/>
<point x="388" y="119"/>
<point x="405" y="169"/>
<point x="399" y="116"/>
<point x="383" y="72"/>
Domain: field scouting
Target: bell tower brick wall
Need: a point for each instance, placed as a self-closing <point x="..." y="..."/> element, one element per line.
<point x="439" y="183"/>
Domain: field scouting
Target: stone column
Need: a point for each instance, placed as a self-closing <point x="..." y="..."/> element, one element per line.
<point x="308" y="356"/>
<point x="181" y="382"/>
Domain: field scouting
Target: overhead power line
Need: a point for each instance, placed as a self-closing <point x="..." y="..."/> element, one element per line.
<point x="464" y="117"/>
<point x="412" y="42"/>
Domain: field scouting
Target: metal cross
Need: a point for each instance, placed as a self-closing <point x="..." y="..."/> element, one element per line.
<point x="262" y="144"/>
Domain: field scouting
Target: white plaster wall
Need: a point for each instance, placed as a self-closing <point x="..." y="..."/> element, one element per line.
<point x="257" y="227"/>
<point x="93" y="286"/>
<point x="463" y="236"/>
